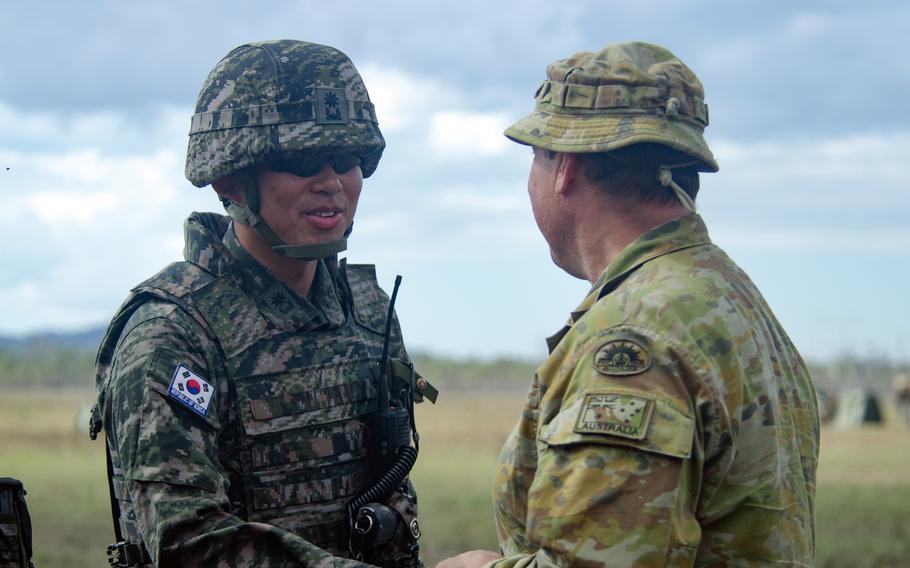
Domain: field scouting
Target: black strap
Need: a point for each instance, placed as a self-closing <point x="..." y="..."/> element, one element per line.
<point x="115" y="505"/>
<point x="123" y="553"/>
<point x="25" y="525"/>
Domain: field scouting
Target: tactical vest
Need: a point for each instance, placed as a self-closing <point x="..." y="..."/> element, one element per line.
<point x="297" y="400"/>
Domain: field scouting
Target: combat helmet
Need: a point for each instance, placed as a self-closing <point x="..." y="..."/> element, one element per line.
<point x="624" y="94"/>
<point x="279" y="98"/>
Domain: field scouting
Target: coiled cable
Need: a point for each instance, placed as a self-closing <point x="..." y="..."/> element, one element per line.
<point x="390" y="480"/>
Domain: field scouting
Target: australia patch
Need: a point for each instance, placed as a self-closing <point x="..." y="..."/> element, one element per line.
<point x="191" y="390"/>
<point x="621" y="415"/>
<point x="621" y="357"/>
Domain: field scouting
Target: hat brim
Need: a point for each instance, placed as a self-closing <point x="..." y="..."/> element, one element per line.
<point x="605" y="132"/>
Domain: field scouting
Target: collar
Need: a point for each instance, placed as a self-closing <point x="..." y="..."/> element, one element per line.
<point x="281" y="304"/>
<point x="202" y="234"/>
<point x="680" y="233"/>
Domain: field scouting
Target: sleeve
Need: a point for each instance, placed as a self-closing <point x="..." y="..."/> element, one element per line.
<point x="616" y="481"/>
<point x="164" y="416"/>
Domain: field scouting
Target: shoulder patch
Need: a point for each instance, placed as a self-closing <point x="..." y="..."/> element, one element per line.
<point x="191" y="390"/>
<point x="621" y="415"/>
<point x="620" y="357"/>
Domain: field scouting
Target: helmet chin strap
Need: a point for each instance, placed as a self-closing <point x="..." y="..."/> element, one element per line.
<point x="248" y="214"/>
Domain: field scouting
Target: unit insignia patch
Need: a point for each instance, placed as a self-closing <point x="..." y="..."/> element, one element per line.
<point x="621" y="357"/>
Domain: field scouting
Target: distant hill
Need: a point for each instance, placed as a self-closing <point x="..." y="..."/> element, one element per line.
<point x="78" y="340"/>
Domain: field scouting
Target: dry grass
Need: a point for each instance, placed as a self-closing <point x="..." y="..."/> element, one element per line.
<point x="863" y="495"/>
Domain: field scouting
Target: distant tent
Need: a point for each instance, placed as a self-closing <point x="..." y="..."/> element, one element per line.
<point x="858" y="407"/>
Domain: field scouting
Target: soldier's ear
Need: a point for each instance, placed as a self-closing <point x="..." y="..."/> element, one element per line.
<point x="567" y="173"/>
<point x="230" y="187"/>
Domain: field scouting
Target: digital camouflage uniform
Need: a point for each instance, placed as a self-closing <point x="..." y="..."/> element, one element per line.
<point x="235" y="409"/>
<point x="673" y="423"/>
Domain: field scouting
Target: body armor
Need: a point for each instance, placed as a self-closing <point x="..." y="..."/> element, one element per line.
<point x="293" y="434"/>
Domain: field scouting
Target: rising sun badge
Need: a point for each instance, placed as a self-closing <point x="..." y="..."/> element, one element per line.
<point x="621" y="357"/>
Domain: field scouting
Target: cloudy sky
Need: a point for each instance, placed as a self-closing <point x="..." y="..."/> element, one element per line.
<point x="810" y="121"/>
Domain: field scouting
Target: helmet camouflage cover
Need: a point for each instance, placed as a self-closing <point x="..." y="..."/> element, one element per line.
<point x="627" y="93"/>
<point x="277" y="97"/>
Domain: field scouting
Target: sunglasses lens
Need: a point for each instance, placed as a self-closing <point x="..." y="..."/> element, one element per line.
<point x="343" y="163"/>
<point x="300" y="165"/>
<point x="308" y="165"/>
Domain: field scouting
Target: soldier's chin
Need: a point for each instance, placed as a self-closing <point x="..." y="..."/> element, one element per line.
<point x="566" y="267"/>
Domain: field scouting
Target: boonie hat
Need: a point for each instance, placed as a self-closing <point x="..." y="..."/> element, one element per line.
<point x="627" y="93"/>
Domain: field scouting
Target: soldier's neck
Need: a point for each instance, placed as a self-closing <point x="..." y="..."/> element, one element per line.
<point x="606" y="228"/>
<point x="297" y="274"/>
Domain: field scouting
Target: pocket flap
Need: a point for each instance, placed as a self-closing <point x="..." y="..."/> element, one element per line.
<point x="624" y="417"/>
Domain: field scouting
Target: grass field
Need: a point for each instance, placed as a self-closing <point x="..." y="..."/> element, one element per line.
<point x="863" y="495"/>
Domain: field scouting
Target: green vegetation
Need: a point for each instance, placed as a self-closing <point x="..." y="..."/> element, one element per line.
<point x="863" y="493"/>
<point x="46" y="365"/>
<point x="42" y="364"/>
<point x="473" y="374"/>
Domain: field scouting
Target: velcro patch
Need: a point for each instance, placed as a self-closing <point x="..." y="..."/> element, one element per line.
<point x="621" y="415"/>
<point x="331" y="106"/>
<point x="621" y="357"/>
<point x="191" y="390"/>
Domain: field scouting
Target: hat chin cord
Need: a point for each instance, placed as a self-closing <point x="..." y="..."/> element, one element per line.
<point x="665" y="177"/>
<point x="248" y="214"/>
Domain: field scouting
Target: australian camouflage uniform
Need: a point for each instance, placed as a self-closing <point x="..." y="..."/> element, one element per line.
<point x="235" y="409"/>
<point x="673" y="423"/>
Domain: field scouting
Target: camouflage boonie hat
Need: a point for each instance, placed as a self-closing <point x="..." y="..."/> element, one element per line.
<point x="627" y="93"/>
<point x="280" y="96"/>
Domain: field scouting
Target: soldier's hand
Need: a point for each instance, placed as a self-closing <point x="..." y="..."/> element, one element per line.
<point x="471" y="559"/>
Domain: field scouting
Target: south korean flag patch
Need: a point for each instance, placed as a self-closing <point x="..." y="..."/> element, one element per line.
<point x="191" y="390"/>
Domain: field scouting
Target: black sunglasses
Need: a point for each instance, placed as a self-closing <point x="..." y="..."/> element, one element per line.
<point x="309" y="164"/>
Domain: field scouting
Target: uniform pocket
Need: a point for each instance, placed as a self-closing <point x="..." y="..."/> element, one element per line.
<point x="278" y="402"/>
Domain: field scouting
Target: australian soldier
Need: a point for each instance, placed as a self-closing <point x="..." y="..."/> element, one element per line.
<point x="673" y="423"/>
<point x="237" y="388"/>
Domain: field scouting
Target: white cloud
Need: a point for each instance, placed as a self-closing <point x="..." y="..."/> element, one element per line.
<point x="852" y="157"/>
<point x="25" y="125"/>
<point x="61" y="208"/>
<point x="85" y="186"/>
<point x="434" y="110"/>
<point x="859" y="172"/>
<point x="403" y="100"/>
<point x="107" y="130"/>
<point x="465" y="134"/>
<point x="93" y="204"/>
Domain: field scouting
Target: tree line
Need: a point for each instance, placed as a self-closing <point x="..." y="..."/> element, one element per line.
<point x="54" y="366"/>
